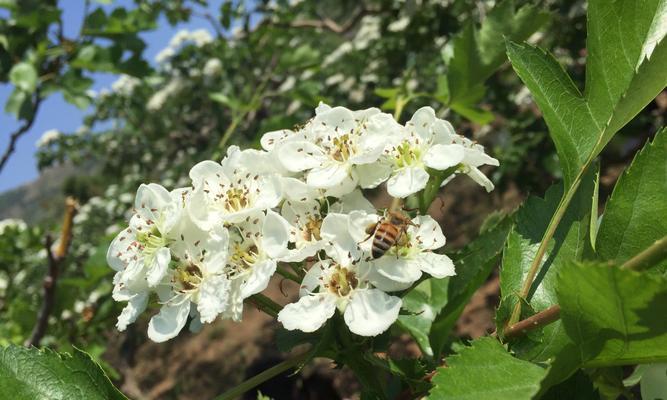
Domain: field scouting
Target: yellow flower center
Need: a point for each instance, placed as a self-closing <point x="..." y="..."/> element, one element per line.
<point x="342" y="281"/>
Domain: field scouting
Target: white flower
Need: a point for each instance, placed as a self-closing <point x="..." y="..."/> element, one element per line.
<point x="212" y="67"/>
<point x="230" y="193"/>
<point x="474" y="157"/>
<point x="125" y="85"/>
<point x="140" y="252"/>
<point x="411" y="255"/>
<point x="331" y="284"/>
<point x="399" y="24"/>
<point x="198" y="281"/>
<point x="12" y="223"/>
<point x="428" y="143"/>
<point x="330" y="146"/>
<point x="157" y="100"/>
<point x="47" y="137"/>
<point x="254" y="248"/>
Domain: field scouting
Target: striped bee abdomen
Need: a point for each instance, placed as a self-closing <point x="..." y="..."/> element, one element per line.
<point x="385" y="236"/>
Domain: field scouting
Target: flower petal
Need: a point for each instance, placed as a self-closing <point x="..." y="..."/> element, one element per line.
<point x="427" y="232"/>
<point x="309" y="313"/>
<point x="397" y="269"/>
<point x="480" y="178"/>
<point x="421" y="123"/>
<point x="158" y="268"/>
<point x="329" y="175"/>
<point x="443" y="156"/>
<point x="135" y="306"/>
<point x="407" y="181"/>
<point x="371" y="312"/>
<point x="169" y="321"/>
<point x="436" y="265"/>
<point x="259" y="278"/>
<point x="275" y="234"/>
<point x="341" y="247"/>
<point x="213" y="297"/>
<point x="299" y="155"/>
<point x="372" y="175"/>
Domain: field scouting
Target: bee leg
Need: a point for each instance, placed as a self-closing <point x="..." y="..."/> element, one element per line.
<point x="370" y="231"/>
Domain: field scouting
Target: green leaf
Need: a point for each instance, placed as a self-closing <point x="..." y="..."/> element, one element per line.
<point x="613" y="316"/>
<point x="625" y="71"/>
<point x="24" y="76"/>
<point x="630" y="223"/>
<point x="486" y="371"/>
<point x="570" y="242"/>
<point x="577" y="387"/>
<point x="44" y="374"/>
<point x="436" y="304"/>
<point x="19" y="104"/>
<point x="475" y="55"/>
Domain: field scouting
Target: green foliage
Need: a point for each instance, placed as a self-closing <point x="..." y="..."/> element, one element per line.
<point x="631" y="223"/>
<point x="614" y="316"/>
<point x="40" y="374"/>
<point x="435" y="304"/>
<point x="475" y="54"/>
<point x="569" y="244"/>
<point x="623" y="74"/>
<point x="486" y="370"/>
<point x="24" y="77"/>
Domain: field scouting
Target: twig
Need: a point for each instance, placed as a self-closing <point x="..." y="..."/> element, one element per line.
<point x="54" y="259"/>
<point x="648" y="257"/>
<point x="651" y="255"/>
<point x="542" y="318"/>
<point x="324" y="23"/>
<point x="211" y="19"/>
<point x="14" y="137"/>
<point x="264" y="376"/>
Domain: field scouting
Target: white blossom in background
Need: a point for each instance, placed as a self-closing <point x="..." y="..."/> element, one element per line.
<point x="48" y="137"/>
<point x="332" y="284"/>
<point x="212" y="67"/>
<point x="125" y="85"/>
<point x="12" y="223"/>
<point x="159" y="98"/>
<point x="201" y="251"/>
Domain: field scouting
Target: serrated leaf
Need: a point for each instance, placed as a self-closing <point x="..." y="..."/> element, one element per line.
<point x="625" y="70"/>
<point x="570" y="242"/>
<point x="613" y="316"/>
<point x="486" y="370"/>
<point x="631" y="221"/>
<point x="437" y="303"/>
<point x="24" y="76"/>
<point x="44" y="374"/>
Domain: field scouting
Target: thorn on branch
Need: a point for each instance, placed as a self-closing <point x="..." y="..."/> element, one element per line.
<point x="54" y="259"/>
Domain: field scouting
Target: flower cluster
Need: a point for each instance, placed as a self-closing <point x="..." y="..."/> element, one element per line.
<point x="296" y="204"/>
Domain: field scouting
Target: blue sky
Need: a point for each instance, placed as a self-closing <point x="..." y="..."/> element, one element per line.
<point x="55" y="113"/>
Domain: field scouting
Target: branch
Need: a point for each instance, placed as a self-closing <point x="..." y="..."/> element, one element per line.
<point x="54" y="259"/>
<point x="650" y="256"/>
<point x="14" y="137"/>
<point x="264" y="376"/>
<point x="542" y="318"/>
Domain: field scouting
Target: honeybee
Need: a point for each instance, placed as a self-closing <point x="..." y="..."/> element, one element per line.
<point x="387" y="232"/>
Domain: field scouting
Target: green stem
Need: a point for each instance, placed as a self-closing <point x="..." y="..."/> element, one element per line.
<point x="400" y="103"/>
<point x="266" y="304"/>
<point x="544" y="244"/>
<point x="263" y="376"/>
<point x="236" y="120"/>
<point x="288" y="275"/>
<point x="648" y="257"/>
